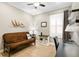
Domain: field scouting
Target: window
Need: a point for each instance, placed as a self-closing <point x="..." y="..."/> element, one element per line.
<point x="56" y="25"/>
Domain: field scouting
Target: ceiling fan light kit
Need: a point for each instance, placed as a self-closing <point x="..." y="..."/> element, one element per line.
<point x="36" y="4"/>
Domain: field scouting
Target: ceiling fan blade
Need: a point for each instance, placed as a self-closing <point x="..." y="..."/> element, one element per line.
<point x="30" y="4"/>
<point x="42" y="5"/>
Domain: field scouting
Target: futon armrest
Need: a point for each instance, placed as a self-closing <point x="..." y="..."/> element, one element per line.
<point x="6" y="44"/>
<point x="6" y="47"/>
<point x="34" y="38"/>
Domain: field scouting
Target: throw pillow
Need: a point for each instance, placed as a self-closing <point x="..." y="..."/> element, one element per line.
<point x="28" y="36"/>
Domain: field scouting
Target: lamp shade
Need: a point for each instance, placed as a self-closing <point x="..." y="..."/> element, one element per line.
<point x="33" y="30"/>
<point x="72" y="28"/>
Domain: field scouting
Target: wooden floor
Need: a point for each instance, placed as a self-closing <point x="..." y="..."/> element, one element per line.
<point x="43" y="50"/>
<point x="38" y="50"/>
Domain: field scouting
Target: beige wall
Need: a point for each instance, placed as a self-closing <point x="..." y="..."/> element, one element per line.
<point x="37" y="22"/>
<point x="8" y="13"/>
<point x="75" y="5"/>
<point x="44" y="17"/>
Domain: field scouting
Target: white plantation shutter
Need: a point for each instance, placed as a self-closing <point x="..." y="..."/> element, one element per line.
<point x="56" y="25"/>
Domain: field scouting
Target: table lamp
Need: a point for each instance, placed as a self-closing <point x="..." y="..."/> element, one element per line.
<point x="33" y="31"/>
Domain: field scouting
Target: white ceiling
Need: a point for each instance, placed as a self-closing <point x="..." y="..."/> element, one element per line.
<point x="50" y="6"/>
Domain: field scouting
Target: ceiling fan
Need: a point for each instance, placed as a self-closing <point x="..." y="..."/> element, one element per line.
<point x="36" y="4"/>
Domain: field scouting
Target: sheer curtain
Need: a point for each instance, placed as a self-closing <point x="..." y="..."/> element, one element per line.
<point x="56" y="25"/>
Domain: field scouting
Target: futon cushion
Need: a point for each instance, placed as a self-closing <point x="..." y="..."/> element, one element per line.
<point x="15" y="37"/>
<point x="15" y="45"/>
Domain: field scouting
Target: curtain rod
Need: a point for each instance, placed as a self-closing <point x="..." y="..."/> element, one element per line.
<point x="75" y="10"/>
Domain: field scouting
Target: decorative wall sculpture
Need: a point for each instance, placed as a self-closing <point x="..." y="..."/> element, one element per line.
<point x="17" y="23"/>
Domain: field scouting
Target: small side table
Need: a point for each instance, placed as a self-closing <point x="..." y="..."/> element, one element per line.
<point x="43" y="37"/>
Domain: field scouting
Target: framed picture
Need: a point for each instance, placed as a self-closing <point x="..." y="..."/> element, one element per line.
<point x="43" y="24"/>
